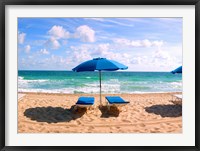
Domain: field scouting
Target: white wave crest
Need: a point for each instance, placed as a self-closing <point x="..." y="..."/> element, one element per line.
<point x="20" y="78"/>
<point x="65" y="90"/>
<point x="176" y="83"/>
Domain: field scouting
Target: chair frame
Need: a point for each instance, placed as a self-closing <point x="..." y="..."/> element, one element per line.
<point x="115" y="104"/>
<point x="177" y="99"/>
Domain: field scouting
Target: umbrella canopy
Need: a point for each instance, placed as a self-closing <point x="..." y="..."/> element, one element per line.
<point x="99" y="64"/>
<point x="177" y="70"/>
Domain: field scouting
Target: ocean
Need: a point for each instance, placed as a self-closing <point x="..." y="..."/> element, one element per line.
<point x="88" y="82"/>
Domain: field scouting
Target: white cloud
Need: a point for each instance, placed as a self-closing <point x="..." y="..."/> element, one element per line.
<point x="27" y="48"/>
<point x="137" y="60"/>
<point x="30" y="57"/>
<point x="44" y="51"/>
<point x="157" y="43"/>
<point x="62" y="60"/>
<point x="162" y="59"/>
<point x="85" y="52"/>
<point x="52" y="62"/>
<point x="155" y="60"/>
<point x="21" y="38"/>
<point x="58" y="32"/>
<point x="100" y="50"/>
<point x="55" y="60"/>
<point x="160" y="54"/>
<point x="122" y="41"/>
<point x="158" y="60"/>
<point x="138" y="43"/>
<point x="146" y="43"/>
<point x="85" y="33"/>
<point x="53" y="43"/>
<point x="64" y="42"/>
<point x="78" y="54"/>
<point x="134" y="43"/>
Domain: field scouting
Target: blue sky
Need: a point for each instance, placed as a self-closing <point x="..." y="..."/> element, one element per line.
<point x="143" y="44"/>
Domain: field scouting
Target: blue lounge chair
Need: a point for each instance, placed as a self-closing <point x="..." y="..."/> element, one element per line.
<point x="115" y="101"/>
<point x="85" y="102"/>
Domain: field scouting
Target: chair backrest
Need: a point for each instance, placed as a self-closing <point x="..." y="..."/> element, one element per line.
<point x="178" y="96"/>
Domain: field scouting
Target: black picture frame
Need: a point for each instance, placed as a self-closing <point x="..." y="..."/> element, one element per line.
<point x="4" y="3"/>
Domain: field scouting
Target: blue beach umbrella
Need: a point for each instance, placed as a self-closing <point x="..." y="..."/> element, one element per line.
<point x="177" y="70"/>
<point x="99" y="64"/>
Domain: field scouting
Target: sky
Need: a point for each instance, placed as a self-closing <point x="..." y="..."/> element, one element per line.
<point x="142" y="44"/>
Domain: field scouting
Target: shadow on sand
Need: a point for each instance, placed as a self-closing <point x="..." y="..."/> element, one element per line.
<point x="105" y="113"/>
<point x="54" y="114"/>
<point x="165" y="110"/>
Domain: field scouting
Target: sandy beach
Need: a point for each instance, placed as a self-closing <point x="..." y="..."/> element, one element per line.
<point x="54" y="113"/>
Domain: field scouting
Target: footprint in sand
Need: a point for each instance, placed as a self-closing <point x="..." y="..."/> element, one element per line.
<point x="126" y="121"/>
<point x="142" y="125"/>
<point x="157" y="129"/>
<point x="78" y="122"/>
<point x="154" y="131"/>
<point x="90" y="128"/>
<point x="118" y="127"/>
<point x="162" y="125"/>
<point x="179" y="125"/>
<point x="31" y="128"/>
<point x="20" y="126"/>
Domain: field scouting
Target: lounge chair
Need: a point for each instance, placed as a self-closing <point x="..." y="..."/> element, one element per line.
<point x="85" y="102"/>
<point x="115" y="101"/>
<point x="177" y="99"/>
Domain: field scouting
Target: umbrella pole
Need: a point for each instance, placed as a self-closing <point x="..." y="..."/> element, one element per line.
<point x="100" y="84"/>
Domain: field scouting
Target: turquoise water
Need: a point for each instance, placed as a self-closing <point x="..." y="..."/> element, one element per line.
<point x="88" y="82"/>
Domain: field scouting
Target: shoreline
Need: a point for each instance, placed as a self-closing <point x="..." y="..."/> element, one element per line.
<point x="59" y="93"/>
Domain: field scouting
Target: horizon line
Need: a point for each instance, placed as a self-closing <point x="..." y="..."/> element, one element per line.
<point x="89" y="71"/>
